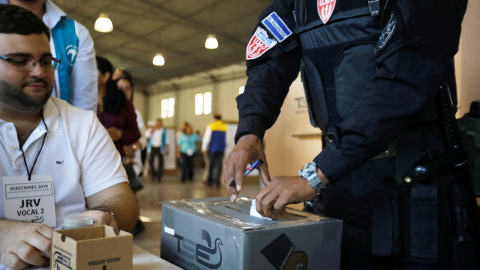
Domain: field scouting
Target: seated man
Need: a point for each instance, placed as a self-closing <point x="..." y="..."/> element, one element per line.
<point x="57" y="160"/>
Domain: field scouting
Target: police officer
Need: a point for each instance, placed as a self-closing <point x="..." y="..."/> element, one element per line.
<point x="371" y="70"/>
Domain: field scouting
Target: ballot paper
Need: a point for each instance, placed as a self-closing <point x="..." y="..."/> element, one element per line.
<point x="253" y="210"/>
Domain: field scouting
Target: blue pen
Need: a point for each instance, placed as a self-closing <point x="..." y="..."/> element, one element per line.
<point x="255" y="165"/>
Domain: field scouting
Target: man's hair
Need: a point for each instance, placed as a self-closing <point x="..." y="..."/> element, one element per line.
<point x="217" y="116"/>
<point x="17" y="20"/>
<point x="104" y="65"/>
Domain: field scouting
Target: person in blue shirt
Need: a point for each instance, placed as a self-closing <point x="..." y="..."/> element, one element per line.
<point x="188" y="147"/>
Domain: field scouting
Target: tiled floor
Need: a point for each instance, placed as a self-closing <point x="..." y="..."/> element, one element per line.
<point x="153" y="194"/>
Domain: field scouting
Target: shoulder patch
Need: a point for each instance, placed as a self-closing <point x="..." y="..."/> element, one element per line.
<point x="259" y="44"/>
<point x="276" y="26"/>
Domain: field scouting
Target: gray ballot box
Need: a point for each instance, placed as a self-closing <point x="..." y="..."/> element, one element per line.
<point x="214" y="233"/>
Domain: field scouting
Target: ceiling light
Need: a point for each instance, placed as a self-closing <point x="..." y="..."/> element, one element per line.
<point x="103" y="24"/>
<point x="211" y="42"/>
<point x="158" y="60"/>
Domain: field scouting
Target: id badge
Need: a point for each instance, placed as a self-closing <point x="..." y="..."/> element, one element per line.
<point x="30" y="201"/>
<point x="190" y="152"/>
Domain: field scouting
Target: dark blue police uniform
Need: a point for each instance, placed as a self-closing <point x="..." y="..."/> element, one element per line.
<point x="371" y="70"/>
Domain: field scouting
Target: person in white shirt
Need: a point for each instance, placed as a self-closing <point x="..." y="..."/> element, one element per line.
<point x="57" y="160"/>
<point x="159" y="146"/>
<point x="76" y="77"/>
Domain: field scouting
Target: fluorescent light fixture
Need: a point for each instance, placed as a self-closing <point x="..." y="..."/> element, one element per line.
<point x="158" y="60"/>
<point x="103" y="24"/>
<point x="211" y="42"/>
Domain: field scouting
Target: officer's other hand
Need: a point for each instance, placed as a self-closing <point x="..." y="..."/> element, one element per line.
<point x="101" y="218"/>
<point x="24" y="244"/>
<point x="247" y="150"/>
<point x="283" y="190"/>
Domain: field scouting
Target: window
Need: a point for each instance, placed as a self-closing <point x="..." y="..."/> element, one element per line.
<point x="203" y="103"/>
<point x="207" y="103"/>
<point x="168" y="108"/>
<point x="198" y="104"/>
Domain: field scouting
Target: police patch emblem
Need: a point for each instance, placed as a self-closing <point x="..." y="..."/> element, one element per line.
<point x="276" y="26"/>
<point x="259" y="44"/>
<point x="325" y="9"/>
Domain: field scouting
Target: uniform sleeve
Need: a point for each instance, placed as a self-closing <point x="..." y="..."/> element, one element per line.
<point x="83" y="80"/>
<point x="270" y="72"/>
<point x="413" y="56"/>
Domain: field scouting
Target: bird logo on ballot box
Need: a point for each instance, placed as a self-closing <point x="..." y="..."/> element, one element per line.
<point x="209" y="256"/>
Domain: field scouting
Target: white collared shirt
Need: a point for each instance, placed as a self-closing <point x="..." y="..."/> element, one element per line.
<point x="78" y="153"/>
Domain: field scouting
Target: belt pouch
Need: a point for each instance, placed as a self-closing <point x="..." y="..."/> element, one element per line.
<point x="424" y="222"/>
<point x="382" y="229"/>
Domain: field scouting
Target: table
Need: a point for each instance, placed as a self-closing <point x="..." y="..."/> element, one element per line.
<point x="142" y="260"/>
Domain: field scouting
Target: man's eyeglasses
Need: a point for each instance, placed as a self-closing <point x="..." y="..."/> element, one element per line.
<point x="27" y="63"/>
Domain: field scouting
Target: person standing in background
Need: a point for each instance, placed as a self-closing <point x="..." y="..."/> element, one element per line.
<point x="159" y="142"/>
<point x="117" y="115"/>
<point x="187" y="143"/>
<point x="178" y="133"/>
<point x="76" y="77"/>
<point x="214" y="143"/>
<point x="133" y="151"/>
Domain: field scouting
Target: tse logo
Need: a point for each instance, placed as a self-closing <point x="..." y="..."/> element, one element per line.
<point x="209" y="255"/>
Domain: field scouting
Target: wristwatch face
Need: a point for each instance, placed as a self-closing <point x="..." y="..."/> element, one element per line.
<point x="309" y="172"/>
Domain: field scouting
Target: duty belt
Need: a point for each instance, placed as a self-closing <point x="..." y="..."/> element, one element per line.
<point x="389" y="152"/>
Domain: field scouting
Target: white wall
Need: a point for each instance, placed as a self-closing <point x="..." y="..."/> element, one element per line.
<point x="292" y="142"/>
<point x="467" y="60"/>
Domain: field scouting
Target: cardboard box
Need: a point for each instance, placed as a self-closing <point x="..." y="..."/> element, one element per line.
<point x="91" y="248"/>
<point x="214" y="233"/>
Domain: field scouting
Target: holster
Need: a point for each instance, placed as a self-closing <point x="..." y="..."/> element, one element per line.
<point x="407" y="221"/>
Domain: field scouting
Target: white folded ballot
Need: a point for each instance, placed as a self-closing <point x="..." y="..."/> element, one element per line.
<point x="253" y="210"/>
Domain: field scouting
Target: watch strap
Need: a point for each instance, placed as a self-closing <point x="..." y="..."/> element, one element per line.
<point x="106" y="211"/>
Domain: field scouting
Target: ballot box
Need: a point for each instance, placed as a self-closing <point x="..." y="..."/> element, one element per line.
<point x="214" y="233"/>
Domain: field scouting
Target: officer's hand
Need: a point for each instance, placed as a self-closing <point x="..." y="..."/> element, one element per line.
<point x="24" y="244"/>
<point x="283" y="190"/>
<point x="247" y="150"/>
<point x="101" y="218"/>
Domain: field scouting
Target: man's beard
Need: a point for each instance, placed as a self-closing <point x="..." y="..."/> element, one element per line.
<point x="14" y="96"/>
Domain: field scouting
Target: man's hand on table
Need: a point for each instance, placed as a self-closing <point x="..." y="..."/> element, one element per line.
<point x="24" y="244"/>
